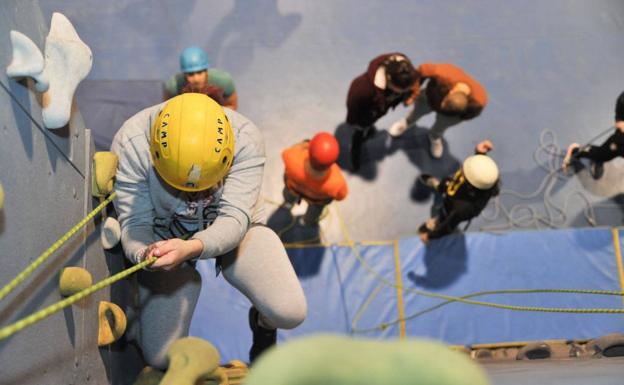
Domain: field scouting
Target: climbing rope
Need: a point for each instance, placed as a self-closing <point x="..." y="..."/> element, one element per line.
<point x="548" y="156"/>
<point x="413" y="316"/>
<point x="41" y="314"/>
<point x="465" y="299"/>
<point x="55" y="246"/>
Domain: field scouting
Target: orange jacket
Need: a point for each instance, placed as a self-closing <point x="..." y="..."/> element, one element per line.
<point x="301" y="181"/>
<point x="448" y="75"/>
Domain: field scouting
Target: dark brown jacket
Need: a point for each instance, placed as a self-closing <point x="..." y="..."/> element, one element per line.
<point x="366" y="103"/>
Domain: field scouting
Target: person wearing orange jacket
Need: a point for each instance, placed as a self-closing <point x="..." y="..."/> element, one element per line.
<point x="311" y="173"/>
<point x="453" y="94"/>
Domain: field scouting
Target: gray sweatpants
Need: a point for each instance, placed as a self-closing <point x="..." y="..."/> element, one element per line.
<point x="259" y="268"/>
<point x="442" y="122"/>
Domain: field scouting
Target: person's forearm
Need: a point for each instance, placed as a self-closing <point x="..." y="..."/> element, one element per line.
<point x="222" y="236"/>
<point x="134" y="241"/>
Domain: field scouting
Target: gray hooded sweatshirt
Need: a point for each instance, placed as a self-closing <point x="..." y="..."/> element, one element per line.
<point x="145" y="203"/>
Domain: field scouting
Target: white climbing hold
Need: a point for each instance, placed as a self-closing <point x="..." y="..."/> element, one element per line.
<point x="111" y="233"/>
<point x="27" y="59"/>
<point x="68" y="61"/>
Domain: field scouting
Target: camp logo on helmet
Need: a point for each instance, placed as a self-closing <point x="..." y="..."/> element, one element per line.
<point x="161" y="137"/>
<point x="220" y="128"/>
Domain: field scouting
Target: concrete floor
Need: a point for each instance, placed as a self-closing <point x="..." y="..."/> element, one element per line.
<point x="293" y="61"/>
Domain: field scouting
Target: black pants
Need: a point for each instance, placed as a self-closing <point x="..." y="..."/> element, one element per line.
<point x="360" y="135"/>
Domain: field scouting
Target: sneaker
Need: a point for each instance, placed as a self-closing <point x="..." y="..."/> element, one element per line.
<point x="398" y="128"/>
<point x="262" y="338"/>
<point x="570" y="152"/>
<point x="429" y="181"/>
<point x="437" y="147"/>
<point x="596" y="169"/>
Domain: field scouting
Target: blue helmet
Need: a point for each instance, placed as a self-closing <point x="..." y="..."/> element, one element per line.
<point x="193" y="59"/>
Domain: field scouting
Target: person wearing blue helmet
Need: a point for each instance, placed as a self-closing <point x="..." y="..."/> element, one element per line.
<point x="197" y="76"/>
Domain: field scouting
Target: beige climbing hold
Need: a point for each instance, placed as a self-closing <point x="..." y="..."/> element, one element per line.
<point x="149" y="376"/>
<point x="110" y="233"/>
<point x="104" y="170"/>
<point x="112" y="323"/>
<point x="233" y="373"/>
<point x="74" y="279"/>
<point x="1" y="197"/>
<point x="190" y="360"/>
<point x="68" y="61"/>
<point x="340" y="360"/>
<point x="27" y="59"/>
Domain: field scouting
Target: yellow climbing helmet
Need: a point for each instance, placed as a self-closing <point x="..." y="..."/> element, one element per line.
<point x="192" y="142"/>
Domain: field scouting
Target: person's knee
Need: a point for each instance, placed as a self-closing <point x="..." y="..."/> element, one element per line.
<point x="287" y="315"/>
<point x="156" y="357"/>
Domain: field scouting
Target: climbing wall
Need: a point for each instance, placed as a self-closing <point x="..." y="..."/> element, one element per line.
<point x="45" y="175"/>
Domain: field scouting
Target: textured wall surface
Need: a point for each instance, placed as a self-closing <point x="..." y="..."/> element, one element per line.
<point x="46" y="179"/>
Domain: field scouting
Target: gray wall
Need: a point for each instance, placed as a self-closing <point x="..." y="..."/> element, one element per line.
<point x="45" y="175"/>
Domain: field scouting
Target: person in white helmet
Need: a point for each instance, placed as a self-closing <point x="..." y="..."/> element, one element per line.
<point x="465" y="193"/>
<point x="188" y="187"/>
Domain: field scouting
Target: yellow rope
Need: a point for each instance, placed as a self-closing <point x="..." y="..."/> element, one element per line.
<point x="618" y="255"/>
<point x="413" y="316"/>
<point x="41" y="314"/>
<point x="399" y="292"/>
<point x="46" y="254"/>
<point x="483" y="303"/>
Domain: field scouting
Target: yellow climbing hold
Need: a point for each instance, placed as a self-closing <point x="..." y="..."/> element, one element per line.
<point x="1" y="197"/>
<point x="74" y="279"/>
<point x="112" y="323"/>
<point x="190" y="360"/>
<point x="149" y="376"/>
<point x="104" y="171"/>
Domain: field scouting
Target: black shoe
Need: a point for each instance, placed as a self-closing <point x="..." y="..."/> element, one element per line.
<point x="596" y="169"/>
<point x="262" y="338"/>
<point x="429" y="181"/>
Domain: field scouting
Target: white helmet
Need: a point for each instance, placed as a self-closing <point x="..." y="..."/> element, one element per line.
<point x="480" y="171"/>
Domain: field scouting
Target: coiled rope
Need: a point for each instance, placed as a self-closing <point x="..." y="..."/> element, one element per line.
<point x="548" y="156"/>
